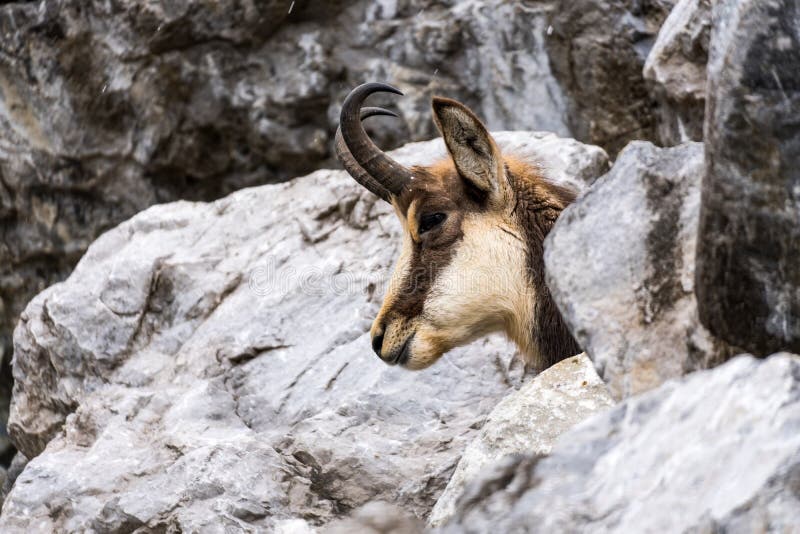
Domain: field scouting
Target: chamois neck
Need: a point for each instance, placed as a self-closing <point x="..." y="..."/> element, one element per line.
<point x="537" y="205"/>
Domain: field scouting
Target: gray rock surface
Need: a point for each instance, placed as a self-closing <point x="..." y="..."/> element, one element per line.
<point x="207" y="366"/>
<point x="620" y="265"/>
<point x="108" y="108"/>
<point x="717" y="451"/>
<point x="597" y="51"/>
<point x="748" y="274"/>
<point x="676" y="72"/>
<point x="528" y="421"/>
<point x="10" y="475"/>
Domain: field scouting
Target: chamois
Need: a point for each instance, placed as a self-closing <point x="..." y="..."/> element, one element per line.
<point x="474" y="227"/>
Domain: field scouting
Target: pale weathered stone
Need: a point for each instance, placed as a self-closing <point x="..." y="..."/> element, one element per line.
<point x="717" y="451"/>
<point x="620" y="265"/>
<point x="748" y="273"/>
<point x="207" y="367"/>
<point x="676" y="72"/>
<point x="528" y="421"/>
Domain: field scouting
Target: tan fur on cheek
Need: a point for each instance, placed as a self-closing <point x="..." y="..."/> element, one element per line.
<point x="411" y="221"/>
<point x="426" y="348"/>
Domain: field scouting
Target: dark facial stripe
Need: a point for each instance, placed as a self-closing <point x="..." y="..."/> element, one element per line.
<point x="440" y="192"/>
<point x="425" y="266"/>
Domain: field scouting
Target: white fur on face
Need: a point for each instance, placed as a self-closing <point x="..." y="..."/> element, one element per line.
<point x="484" y="289"/>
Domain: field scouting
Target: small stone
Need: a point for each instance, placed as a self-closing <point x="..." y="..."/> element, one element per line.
<point x="528" y="421"/>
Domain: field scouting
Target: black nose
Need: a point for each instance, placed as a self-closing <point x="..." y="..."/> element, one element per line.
<point x="377" y="340"/>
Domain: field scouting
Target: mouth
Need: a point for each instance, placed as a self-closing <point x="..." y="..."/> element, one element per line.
<point x="402" y="356"/>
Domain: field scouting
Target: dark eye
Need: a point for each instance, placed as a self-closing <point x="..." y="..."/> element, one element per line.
<point x="430" y="221"/>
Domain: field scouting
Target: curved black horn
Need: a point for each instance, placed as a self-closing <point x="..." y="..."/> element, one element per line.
<point x="351" y="165"/>
<point x="382" y="169"/>
<point x="374" y="111"/>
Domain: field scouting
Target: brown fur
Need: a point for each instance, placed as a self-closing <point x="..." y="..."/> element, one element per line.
<point x="538" y="204"/>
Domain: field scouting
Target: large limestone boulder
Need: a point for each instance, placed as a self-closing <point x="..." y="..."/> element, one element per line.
<point x="528" y="421"/>
<point x="108" y="108"/>
<point x="748" y="274"/>
<point x="675" y="71"/>
<point x="717" y="451"/>
<point x="207" y="367"/>
<point x="597" y="51"/>
<point x="620" y="265"/>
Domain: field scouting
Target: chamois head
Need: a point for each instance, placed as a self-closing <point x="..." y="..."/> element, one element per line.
<point x="474" y="226"/>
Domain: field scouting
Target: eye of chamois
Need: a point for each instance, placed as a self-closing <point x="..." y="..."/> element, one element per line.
<point x="430" y="221"/>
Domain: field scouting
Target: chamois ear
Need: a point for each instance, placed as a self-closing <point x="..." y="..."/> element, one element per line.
<point x="473" y="150"/>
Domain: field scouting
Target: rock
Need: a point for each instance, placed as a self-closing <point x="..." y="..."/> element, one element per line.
<point x="748" y="276"/>
<point x="597" y="51"/>
<point x="208" y="367"/>
<point x="106" y="110"/>
<point x="620" y="265"/>
<point x="7" y="450"/>
<point x="378" y="518"/>
<point x="528" y="421"/>
<point x="675" y="71"/>
<point x="719" y="446"/>
<point x="16" y="466"/>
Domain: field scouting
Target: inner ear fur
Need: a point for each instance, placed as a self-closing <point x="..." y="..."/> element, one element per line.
<point x="473" y="150"/>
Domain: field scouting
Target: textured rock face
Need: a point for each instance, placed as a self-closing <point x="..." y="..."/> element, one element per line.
<point x="676" y="72"/>
<point x="528" y="421"/>
<point x="207" y="366"/>
<point x="16" y="466"/>
<point x="597" y="51"/>
<point x="748" y="276"/>
<point x="721" y="446"/>
<point x="620" y="265"/>
<point x="107" y="108"/>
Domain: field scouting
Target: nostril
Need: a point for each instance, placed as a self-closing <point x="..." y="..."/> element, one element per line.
<point x="377" y="342"/>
